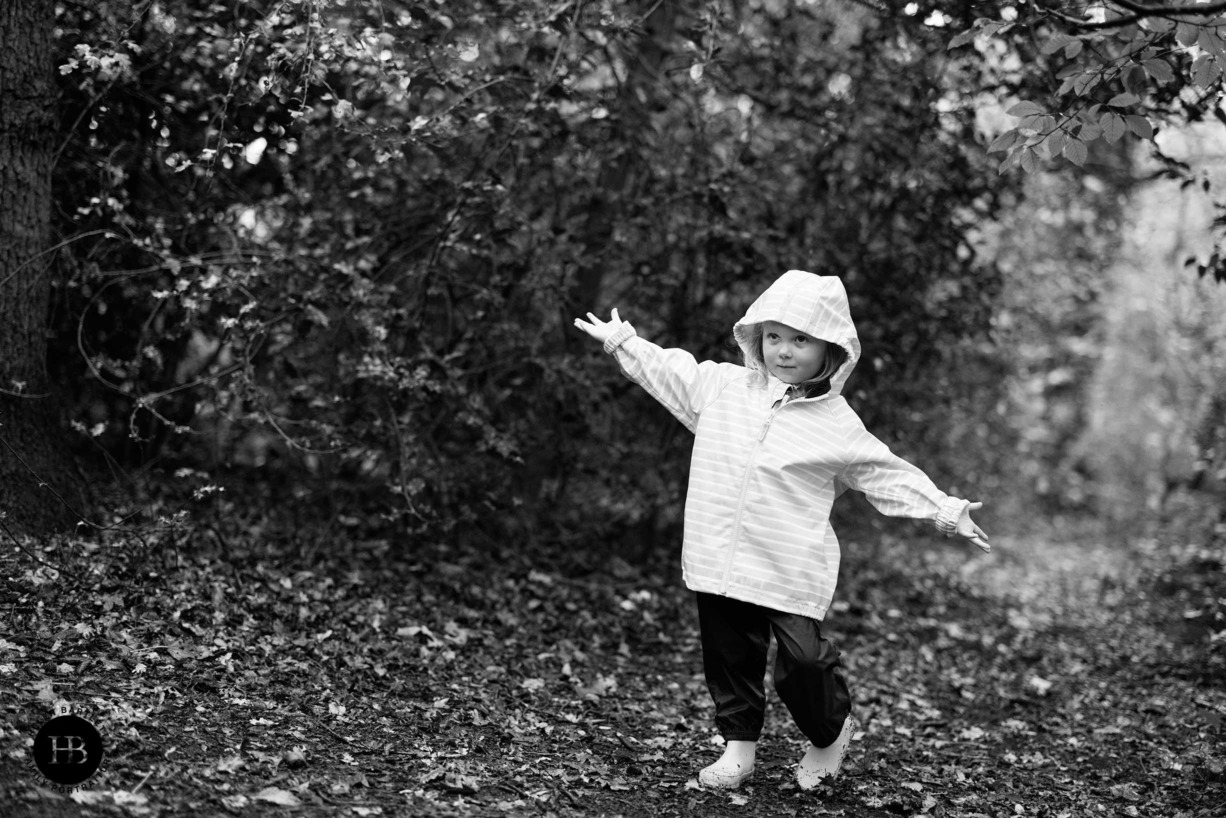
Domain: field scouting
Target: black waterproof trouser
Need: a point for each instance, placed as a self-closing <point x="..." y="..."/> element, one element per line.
<point x="808" y="675"/>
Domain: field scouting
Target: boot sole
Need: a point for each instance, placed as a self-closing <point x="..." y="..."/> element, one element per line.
<point x="723" y="782"/>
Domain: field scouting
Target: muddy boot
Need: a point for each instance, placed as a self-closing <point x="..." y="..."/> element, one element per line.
<point x="733" y="767"/>
<point x="821" y="763"/>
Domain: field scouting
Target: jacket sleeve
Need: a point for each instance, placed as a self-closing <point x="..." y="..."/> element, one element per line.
<point x="894" y="486"/>
<point x="681" y="383"/>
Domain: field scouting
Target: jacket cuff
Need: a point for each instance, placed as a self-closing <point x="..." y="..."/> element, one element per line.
<point x="949" y="514"/>
<point x="618" y="338"/>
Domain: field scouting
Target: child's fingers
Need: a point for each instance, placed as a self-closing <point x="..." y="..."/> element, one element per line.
<point x="616" y="317"/>
<point x="979" y="537"/>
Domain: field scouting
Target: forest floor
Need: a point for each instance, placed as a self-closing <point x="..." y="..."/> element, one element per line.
<point x="229" y="675"/>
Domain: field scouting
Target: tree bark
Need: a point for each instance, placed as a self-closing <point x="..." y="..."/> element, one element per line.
<point x="35" y="465"/>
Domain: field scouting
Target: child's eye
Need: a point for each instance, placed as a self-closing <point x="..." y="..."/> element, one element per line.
<point x="800" y="339"/>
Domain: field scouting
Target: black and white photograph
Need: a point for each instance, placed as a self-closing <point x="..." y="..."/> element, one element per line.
<point x="612" y="408"/>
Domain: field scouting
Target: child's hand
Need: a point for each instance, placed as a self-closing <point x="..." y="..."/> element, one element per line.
<point x="600" y="330"/>
<point x="968" y="529"/>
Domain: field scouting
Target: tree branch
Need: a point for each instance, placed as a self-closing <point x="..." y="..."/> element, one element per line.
<point x="1140" y="11"/>
<point x="1145" y="10"/>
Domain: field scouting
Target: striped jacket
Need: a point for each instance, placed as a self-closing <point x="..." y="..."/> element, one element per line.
<point x="765" y="470"/>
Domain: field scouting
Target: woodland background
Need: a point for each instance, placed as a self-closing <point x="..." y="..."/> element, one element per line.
<point x="286" y="292"/>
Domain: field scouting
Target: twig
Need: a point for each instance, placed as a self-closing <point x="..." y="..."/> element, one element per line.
<point x="1140" y="12"/>
<point x="53" y="248"/>
<point x="1162" y="10"/>
<point x="511" y="788"/>
<point x="45" y="485"/>
<point x="571" y="797"/>
<point x="350" y="742"/>
<point x="142" y="782"/>
<point x="26" y="395"/>
<point x="35" y="557"/>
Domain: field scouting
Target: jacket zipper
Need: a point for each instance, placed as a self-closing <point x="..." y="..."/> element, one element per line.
<point x="740" y="502"/>
<point x="769" y="420"/>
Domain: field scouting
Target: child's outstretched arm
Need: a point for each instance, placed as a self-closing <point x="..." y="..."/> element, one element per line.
<point x="968" y="529"/>
<point x="672" y="376"/>
<point x="898" y="488"/>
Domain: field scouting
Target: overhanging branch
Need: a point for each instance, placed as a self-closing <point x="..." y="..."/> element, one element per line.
<point x="1168" y="10"/>
<point x="1140" y="11"/>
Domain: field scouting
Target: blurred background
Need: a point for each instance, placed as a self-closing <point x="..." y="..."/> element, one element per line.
<point x="316" y="264"/>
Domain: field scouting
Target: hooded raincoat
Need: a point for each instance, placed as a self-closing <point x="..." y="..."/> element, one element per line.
<point x="765" y="470"/>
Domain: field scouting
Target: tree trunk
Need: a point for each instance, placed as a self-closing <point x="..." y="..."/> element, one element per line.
<point x="34" y="462"/>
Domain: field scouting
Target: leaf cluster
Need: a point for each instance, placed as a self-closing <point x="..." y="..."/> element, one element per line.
<point x="1084" y="77"/>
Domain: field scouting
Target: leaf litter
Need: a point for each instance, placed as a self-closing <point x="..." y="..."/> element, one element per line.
<point x="571" y="684"/>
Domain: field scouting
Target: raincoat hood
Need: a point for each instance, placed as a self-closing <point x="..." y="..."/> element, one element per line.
<point x="815" y="305"/>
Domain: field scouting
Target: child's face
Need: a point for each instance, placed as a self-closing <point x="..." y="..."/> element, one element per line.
<point x="790" y="355"/>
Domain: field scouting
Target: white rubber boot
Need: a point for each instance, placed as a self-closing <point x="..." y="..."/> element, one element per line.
<point x="733" y="767"/>
<point x="821" y="763"/>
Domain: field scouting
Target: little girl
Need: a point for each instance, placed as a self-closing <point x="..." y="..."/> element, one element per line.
<point x="775" y="442"/>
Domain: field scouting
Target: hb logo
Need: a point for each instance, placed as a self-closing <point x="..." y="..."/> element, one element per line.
<point x="72" y="746"/>
<point x="68" y="750"/>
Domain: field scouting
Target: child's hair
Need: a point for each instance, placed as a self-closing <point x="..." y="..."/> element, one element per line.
<point x="834" y="358"/>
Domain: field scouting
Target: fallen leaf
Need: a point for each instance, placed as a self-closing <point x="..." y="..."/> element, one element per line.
<point x="294" y="758"/>
<point x="278" y="796"/>
<point x="603" y="686"/>
<point x="46" y="691"/>
<point x="230" y="764"/>
<point x="1039" y="685"/>
<point x="234" y="803"/>
<point x="466" y="784"/>
<point x="129" y="799"/>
